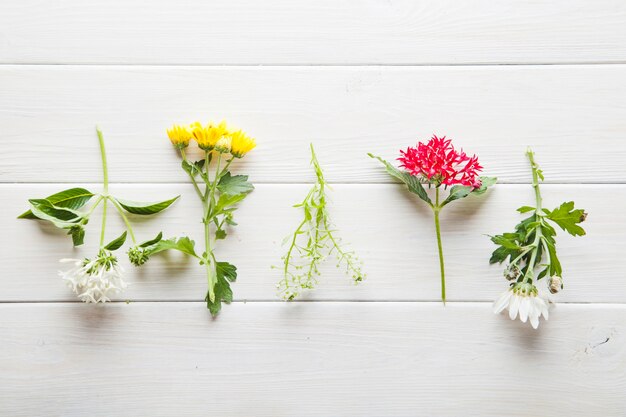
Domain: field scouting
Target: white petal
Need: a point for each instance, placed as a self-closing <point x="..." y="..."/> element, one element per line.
<point x="514" y="306"/>
<point x="534" y="321"/>
<point x="524" y="308"/>
<point x="502" y="302"/>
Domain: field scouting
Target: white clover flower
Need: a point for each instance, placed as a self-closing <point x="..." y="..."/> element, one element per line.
<point x="94" y="281"/>
<point x="523" y="298"/>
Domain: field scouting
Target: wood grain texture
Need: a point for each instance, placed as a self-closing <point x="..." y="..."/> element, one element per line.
<point x="318" y="32"/>
<point x="310" y="359"/>
<point x="391" y="231"/>
<point x="574" y="117"/>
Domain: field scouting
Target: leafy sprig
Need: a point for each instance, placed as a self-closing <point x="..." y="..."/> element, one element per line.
<point x="220" y="193"/>
<point x="531" y="248"/>
<point x="313" y="241"/>
<point x="71" y="210"/>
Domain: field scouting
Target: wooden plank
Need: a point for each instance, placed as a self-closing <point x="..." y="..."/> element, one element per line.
<point x="389" y="229"/>
<point x="312" y="32"/>
<point x="313" y="359"/>
<point x="574" y="117"/>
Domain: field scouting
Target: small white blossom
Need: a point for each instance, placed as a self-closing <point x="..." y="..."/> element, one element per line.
<point x="94" y="281"/>
<point x="523" y="299"/>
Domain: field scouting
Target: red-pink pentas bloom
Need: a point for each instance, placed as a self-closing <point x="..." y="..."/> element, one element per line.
<point x="439" y="163"/>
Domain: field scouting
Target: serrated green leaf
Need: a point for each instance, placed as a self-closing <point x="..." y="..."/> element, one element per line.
<point x="72" y="198"/>
<point x="183" y="244"/>
<point x="567" y="218"/>
<point x="525" y="209"/>
<point x="507" y="241"/>
<point x="485" y="183"/>
<point x="225" y="201"/>
<point x="151" y="241"/>
<point x="220" y="234"/>
<point x="411" y="182"/>
<point x="226" y="273"/>
<point x="116" y="243"/>
<point x="234" y="184"/>
<point x="143" y="208"/>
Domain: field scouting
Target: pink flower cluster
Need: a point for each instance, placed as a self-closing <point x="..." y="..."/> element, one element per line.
<point x="439" y="163"/>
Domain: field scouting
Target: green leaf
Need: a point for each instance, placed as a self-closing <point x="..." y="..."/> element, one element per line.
<point x="183" y="244"/>
<point x="44" y="210"/>
<point x="525" y="209"/>
<point x="116" y="243"/>
<point x="151" y="241"/>
<point x="485" y="183"/>
<point x="193" y="168"/>
<point x="232" y="185"/>
<point x="145" y="209"/>
<point x="411" y="182"/>
<point x="567" y="218"/>
<point x="506" y="240"/>
<point x="555" y="264"/>
<point x="457" y="192"/>
<point x="78" y="235"/>
<point x="72" y="198"/>
<point x="226" y="273"/>
<point x="220" y="234"/>
<point x="225" y="201"/>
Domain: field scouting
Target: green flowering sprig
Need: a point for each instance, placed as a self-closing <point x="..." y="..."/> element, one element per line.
<point x="71" y="209"/>
<point x="531" y="254"/>
<point x="314" y="240"/>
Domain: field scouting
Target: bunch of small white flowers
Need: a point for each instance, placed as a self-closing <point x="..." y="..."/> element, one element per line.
<point x="95" y="281"/>
<point x="531" y="251"/>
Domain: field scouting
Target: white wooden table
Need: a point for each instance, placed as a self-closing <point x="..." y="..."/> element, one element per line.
<point x="352" y="77"/>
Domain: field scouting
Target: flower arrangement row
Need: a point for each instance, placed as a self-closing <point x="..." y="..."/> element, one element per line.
<point x="529" y="251"/>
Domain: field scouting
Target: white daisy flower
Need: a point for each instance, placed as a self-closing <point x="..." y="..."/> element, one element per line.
<point x="94" y="281"/>
<point x="523" y="298"/>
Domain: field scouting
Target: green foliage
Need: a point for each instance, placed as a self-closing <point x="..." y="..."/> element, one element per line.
<point x="568" y="218"/>
<point x="411" y="181"/>
<point x="226" y="273"/>
<point x="143" y="208"/>
<point x="234" y="184"/>
<point x="73" y="198"/>
<point x="116" y="243"/>
<point x="312" y="242"/>
<point x="181" y="244"/>
<point x="531" y="249"/>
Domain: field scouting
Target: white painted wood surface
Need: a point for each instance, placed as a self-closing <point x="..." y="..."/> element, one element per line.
<point x="352" y="77"/>
<point x="312" y="32"/>
<point x="310" y="359"/>
<point x="573" y="116"/>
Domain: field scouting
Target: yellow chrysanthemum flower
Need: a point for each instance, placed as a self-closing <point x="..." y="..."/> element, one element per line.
<point x="179" y="136"/>
<point x="208" y="136"/>
<point x="241" y="144"/>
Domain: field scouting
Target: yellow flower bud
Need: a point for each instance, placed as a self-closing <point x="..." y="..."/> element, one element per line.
<point x="179" y="136"/>
<point x="241" y="144"/>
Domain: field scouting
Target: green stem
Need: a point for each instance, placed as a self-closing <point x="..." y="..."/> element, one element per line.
<point x="436" y="210"/>
<point x="126" y="222"/>
<point x="105" y="172"/>
<point x="191" y="176"/>
<point x="538" y="214"/>
<point x="209" y="205"/>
